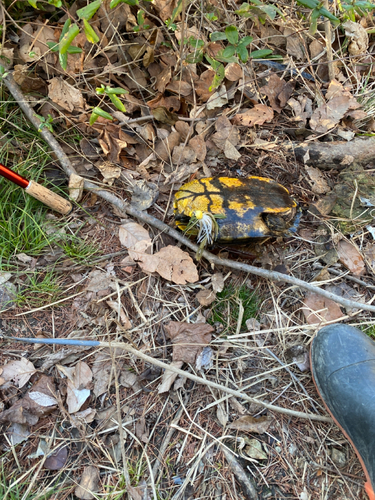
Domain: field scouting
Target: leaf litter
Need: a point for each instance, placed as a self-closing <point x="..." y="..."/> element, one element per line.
<point x="186" y="120"/>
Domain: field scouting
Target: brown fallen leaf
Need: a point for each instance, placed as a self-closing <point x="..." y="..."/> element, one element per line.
<point x="89" y="483"/>
<point x="57" y="459"/>
<point x="251" y="424"/>
<point x="328" y="115"/>
<point x="165" y="8"/>
<point x="205" y="297"/>
<point x="28" y="411"/>
<point x="226" y="138"/>
<point x="188" y="339"/>
<point x="112" y="140"/>
<point x="169" y="377"/>
<point x="257" y="115"/>
<point x="163" y="115"/>
<point x="351" y="258"/>
<point x="278" y="92"/>
<point x="318" y="309"/>
<point x="102" y="370"/>
<point x="203" y="85"/>
<point x="255" y="450"/>
<point x="65" y="95"/>
<point x="132" y="232"/>
<point x="217" y="281"/>
<point x="179" y="87"/>
<point x="233" y="72"/>
<point x="76" y="187"/>
<point x="77" y="388"/>
<point x="18" y="371"/>
<point x="170" y="262"/>
<point x="163" y="78"/>
<point x="317" y="181"/>
<point x="370" y="255"/>
<point x="358" y="37"/>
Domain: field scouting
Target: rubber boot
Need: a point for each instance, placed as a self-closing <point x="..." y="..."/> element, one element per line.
<point x="343" y="367"/>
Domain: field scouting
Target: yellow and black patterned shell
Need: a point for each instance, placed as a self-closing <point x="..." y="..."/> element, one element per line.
<point x="253" y="207"/>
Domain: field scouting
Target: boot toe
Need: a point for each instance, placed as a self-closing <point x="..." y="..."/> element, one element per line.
<point x="343" y="368"/>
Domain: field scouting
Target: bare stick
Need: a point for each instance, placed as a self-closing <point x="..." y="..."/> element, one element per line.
<point x="165" y="366"/>
<point x="149" y="219"/>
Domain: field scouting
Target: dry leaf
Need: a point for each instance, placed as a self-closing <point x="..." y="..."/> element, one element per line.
<point x="112" y="140"/>
<point x="170" y="262"/>
<point x="328" y="115"/>
<point x="217" y="281"/>
<point x="164" y="148"/>
<point x="370" y="255"/>
<point x="198" y="144"/>
<point x="65" y="95"/>
<point x="131" y="233"/>
<point x="179" y="87"/>
<point x="188" y="339"/>
<point x="351" y="258"/>
<point x="218" y="99"/>
<point x="221" y="414"/>
<point x="257" y="115"/>
<point x="89" y="483"/>
<point x="144" y="194"/>
<point x="100" y="281"/>
<point x="226" y="137"/>
<point x="233" y="72"/>
<point x="141" y="430"/>
<point x="206" y="297"/>
<point x="19" y="372"/>
<point x="251" y="424"/>
<point x="169" y="377"/>
<point x="278" y="92"/>
<point x="163" y="79"/>
<point x="164" y="8"/>
<point x="57" y="459"/>
<point x="76" y="187"/>
<point x="294" y="44"/>
<point x="318" y="309"/>
<point x="254" y="450"/>
<point x="28" y="411"/>
<point x="203" y="85"/>
<point x="358" y="36"/>
<point x="109" y="172"/>
<point x="317" y="181"/>
<point x="102" y="369"/>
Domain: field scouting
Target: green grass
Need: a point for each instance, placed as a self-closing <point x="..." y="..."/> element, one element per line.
<point x="39" y="289"/>
<point x="16" y="492"/>
<point x="226" y="308"/>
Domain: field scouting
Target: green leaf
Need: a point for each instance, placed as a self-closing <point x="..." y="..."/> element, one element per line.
<point x="63" y="59"/>
<point x="53" y="46"/>
<point x="91" y="36"/>
<point x="115" y="90"/>
<point x="246" y="40"/>
<point x="88" y="11"/>
<point x="260" y="54"/>
<point x="65" y="29"/>
<point x="215" y="64"/>
<point x="140" y="17"/>
<point x="56" y="3"/>
<point x="103" y="114"/>
<point x="270" y="10"/>
<point x="195" y="57"/>
<point x="100" y="90"/>
<point x="116" y="101"/>
<point x="68" y="38"/>
<point x="33" y="3"/>
<point x="242" y="52"/>
<point x="74" y="50"/>
<point x="310" y="4"/>
<point x="228" y="51"/>
<point x="218" y="78"/>
<point x="93" y="118"/>
<point x="314" y="21"/>
<point x="217" y="35"/>
<point x="231" y="33"/>
<point x="176" y="11"/>
<point x="114" y="3"/>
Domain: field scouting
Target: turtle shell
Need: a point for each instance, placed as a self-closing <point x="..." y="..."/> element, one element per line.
<point x="253" y="207"/>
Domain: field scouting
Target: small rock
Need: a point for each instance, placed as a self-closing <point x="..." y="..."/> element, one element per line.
<point x="338" y="457"/>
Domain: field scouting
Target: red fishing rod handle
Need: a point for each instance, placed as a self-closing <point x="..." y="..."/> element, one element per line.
<point x="13" y="176"/>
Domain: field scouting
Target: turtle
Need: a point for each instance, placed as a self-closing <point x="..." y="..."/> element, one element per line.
<point x="230" y="210"/>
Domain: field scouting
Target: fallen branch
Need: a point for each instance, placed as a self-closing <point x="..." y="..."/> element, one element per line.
<point x="153" y="221"/>
<point x="183" y="373"/>
<point x="337" y="154"/>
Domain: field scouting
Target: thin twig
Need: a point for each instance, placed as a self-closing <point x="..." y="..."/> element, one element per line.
<point x="328" y="33"/>
<point x="165" y="366"/>
<point x="149" y="219"/>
